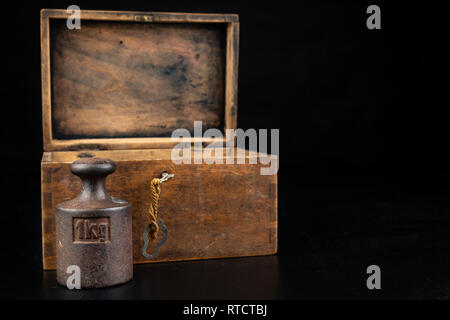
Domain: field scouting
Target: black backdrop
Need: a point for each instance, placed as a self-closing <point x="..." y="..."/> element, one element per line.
<point x="363" y="165"/>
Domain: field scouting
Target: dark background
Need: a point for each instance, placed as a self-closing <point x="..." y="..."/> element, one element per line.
<point x="363" y="173"/>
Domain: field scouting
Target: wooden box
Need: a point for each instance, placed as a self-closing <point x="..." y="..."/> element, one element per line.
<point x="117" y="88"/>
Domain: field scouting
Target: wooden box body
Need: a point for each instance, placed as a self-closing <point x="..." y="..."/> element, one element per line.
<point x="211" y="211"/>
<point x="117" y="88"/>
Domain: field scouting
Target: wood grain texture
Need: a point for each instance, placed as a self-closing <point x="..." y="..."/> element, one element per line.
<point x="211" y="211"/>
<point x="118" y="77"/>
<point x="114" y="79"/>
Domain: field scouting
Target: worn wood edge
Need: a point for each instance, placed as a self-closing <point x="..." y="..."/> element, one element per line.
<point x="122" y="143"/>
<point x="272" y="250"/>
<point x="46" y="82"/>
<point x="47" y="160"/>
<point x="231" y="77"/>
<point x="274" y="222"/>
<point x="154" y="16"/>
<point x="45" y="262"/>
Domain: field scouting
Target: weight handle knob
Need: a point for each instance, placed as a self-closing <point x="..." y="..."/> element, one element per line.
<point x="93" y="172"/>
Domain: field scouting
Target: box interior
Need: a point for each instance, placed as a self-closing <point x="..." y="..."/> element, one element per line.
<point x="114" y="79"/>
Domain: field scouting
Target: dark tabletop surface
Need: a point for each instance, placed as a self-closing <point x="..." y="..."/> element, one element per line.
<point x="328" y="235"/>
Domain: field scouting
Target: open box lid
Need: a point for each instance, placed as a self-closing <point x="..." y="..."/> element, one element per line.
<point x="126" y="80"/>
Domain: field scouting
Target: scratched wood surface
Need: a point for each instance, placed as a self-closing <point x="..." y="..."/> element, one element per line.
<point x="116" y="79"/>
<point x="211" y="211"/>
